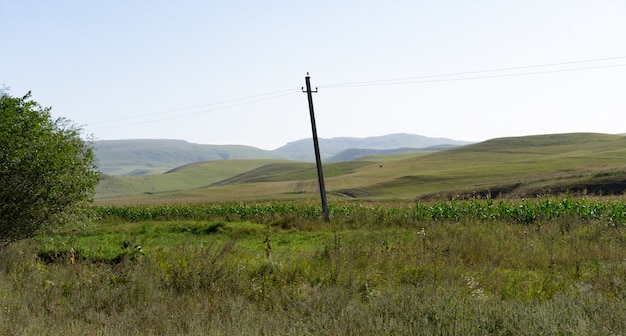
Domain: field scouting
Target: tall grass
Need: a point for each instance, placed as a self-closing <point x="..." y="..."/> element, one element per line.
<point x="463" y="267"/>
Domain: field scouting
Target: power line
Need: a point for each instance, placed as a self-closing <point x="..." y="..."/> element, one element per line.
<point x="199" y="112"/>
<point x="381" y="82"/>
<point x="417" y="79"/>
<point x="274" y="94"/>
<point x="475" y="77"/>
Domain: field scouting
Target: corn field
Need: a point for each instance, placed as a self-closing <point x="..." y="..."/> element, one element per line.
<point x="525" y="211"/>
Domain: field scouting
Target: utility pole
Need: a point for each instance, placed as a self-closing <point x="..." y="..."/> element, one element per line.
<point x="318" y="160"/>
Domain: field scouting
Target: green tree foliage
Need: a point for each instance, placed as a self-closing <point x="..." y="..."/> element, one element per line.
<point x="48" y="173"/>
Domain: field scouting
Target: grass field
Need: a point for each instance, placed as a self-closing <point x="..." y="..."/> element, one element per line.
<point x="480" y="240"/>
<point x="476" y="267"/>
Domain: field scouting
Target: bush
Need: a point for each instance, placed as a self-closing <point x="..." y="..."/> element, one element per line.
<point x="47" y="171"/>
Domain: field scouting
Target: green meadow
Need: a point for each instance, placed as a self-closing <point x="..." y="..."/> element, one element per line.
<point x="473" y="267"/>
<point x="515" y="236"/>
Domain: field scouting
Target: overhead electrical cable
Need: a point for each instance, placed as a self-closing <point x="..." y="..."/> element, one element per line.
<point x="419" y="79"/>
<point x="470" y="78"/>
<point x="448" y="77"/>
<point x="200" y="112"/>
<point x="274" y="94"/>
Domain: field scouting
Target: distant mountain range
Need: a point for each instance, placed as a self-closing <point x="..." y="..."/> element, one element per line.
<point x="138" y="157"/>
<point x="302" y="150"/>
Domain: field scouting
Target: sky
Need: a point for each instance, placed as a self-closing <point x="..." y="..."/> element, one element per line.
<point x="232" y="72"/>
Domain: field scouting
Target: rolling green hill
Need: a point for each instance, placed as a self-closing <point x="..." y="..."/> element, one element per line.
<point x="188" y="177"/>
<point x="507" y="167"/>
<point x="519" y="166"/>
<point x="296" y="171"/>
<point x="357" y="153"/>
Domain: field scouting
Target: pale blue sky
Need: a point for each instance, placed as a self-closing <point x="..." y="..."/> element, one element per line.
<point x="186" y="69"/>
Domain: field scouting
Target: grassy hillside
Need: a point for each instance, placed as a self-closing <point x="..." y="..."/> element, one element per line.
<point x="239" y="179"/>
<point x="393" y="157"/>
<point x="296" y="171"/>
<point x="185" y="178"/>
<point x="357" y="153"/>
<point x="511" y="167"/>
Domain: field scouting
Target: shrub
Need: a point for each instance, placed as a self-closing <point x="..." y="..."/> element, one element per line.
<point x="47" y="171"/>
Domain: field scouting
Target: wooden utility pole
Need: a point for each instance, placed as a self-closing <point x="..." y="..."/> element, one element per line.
<point x="318" y="160"/>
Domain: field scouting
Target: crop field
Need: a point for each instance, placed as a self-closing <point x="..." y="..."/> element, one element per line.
<point x="546" y="265"/>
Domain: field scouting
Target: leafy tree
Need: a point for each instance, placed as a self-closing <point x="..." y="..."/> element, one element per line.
<point x="48" y="173"/>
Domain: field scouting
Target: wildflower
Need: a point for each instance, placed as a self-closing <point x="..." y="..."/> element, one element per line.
<point x="476" y="291"/>
<point x="268" y="246"/>
<point x="368" y="292"/>
<point x="72" y="255"/>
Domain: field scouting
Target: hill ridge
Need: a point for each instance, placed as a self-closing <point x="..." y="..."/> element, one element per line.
<point x="303" y="149"/>
<point x="155" y="156"/>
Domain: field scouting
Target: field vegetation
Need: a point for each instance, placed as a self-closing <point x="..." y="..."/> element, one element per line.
<point x="537" y="266"/>
<point x="516" y="236"/>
